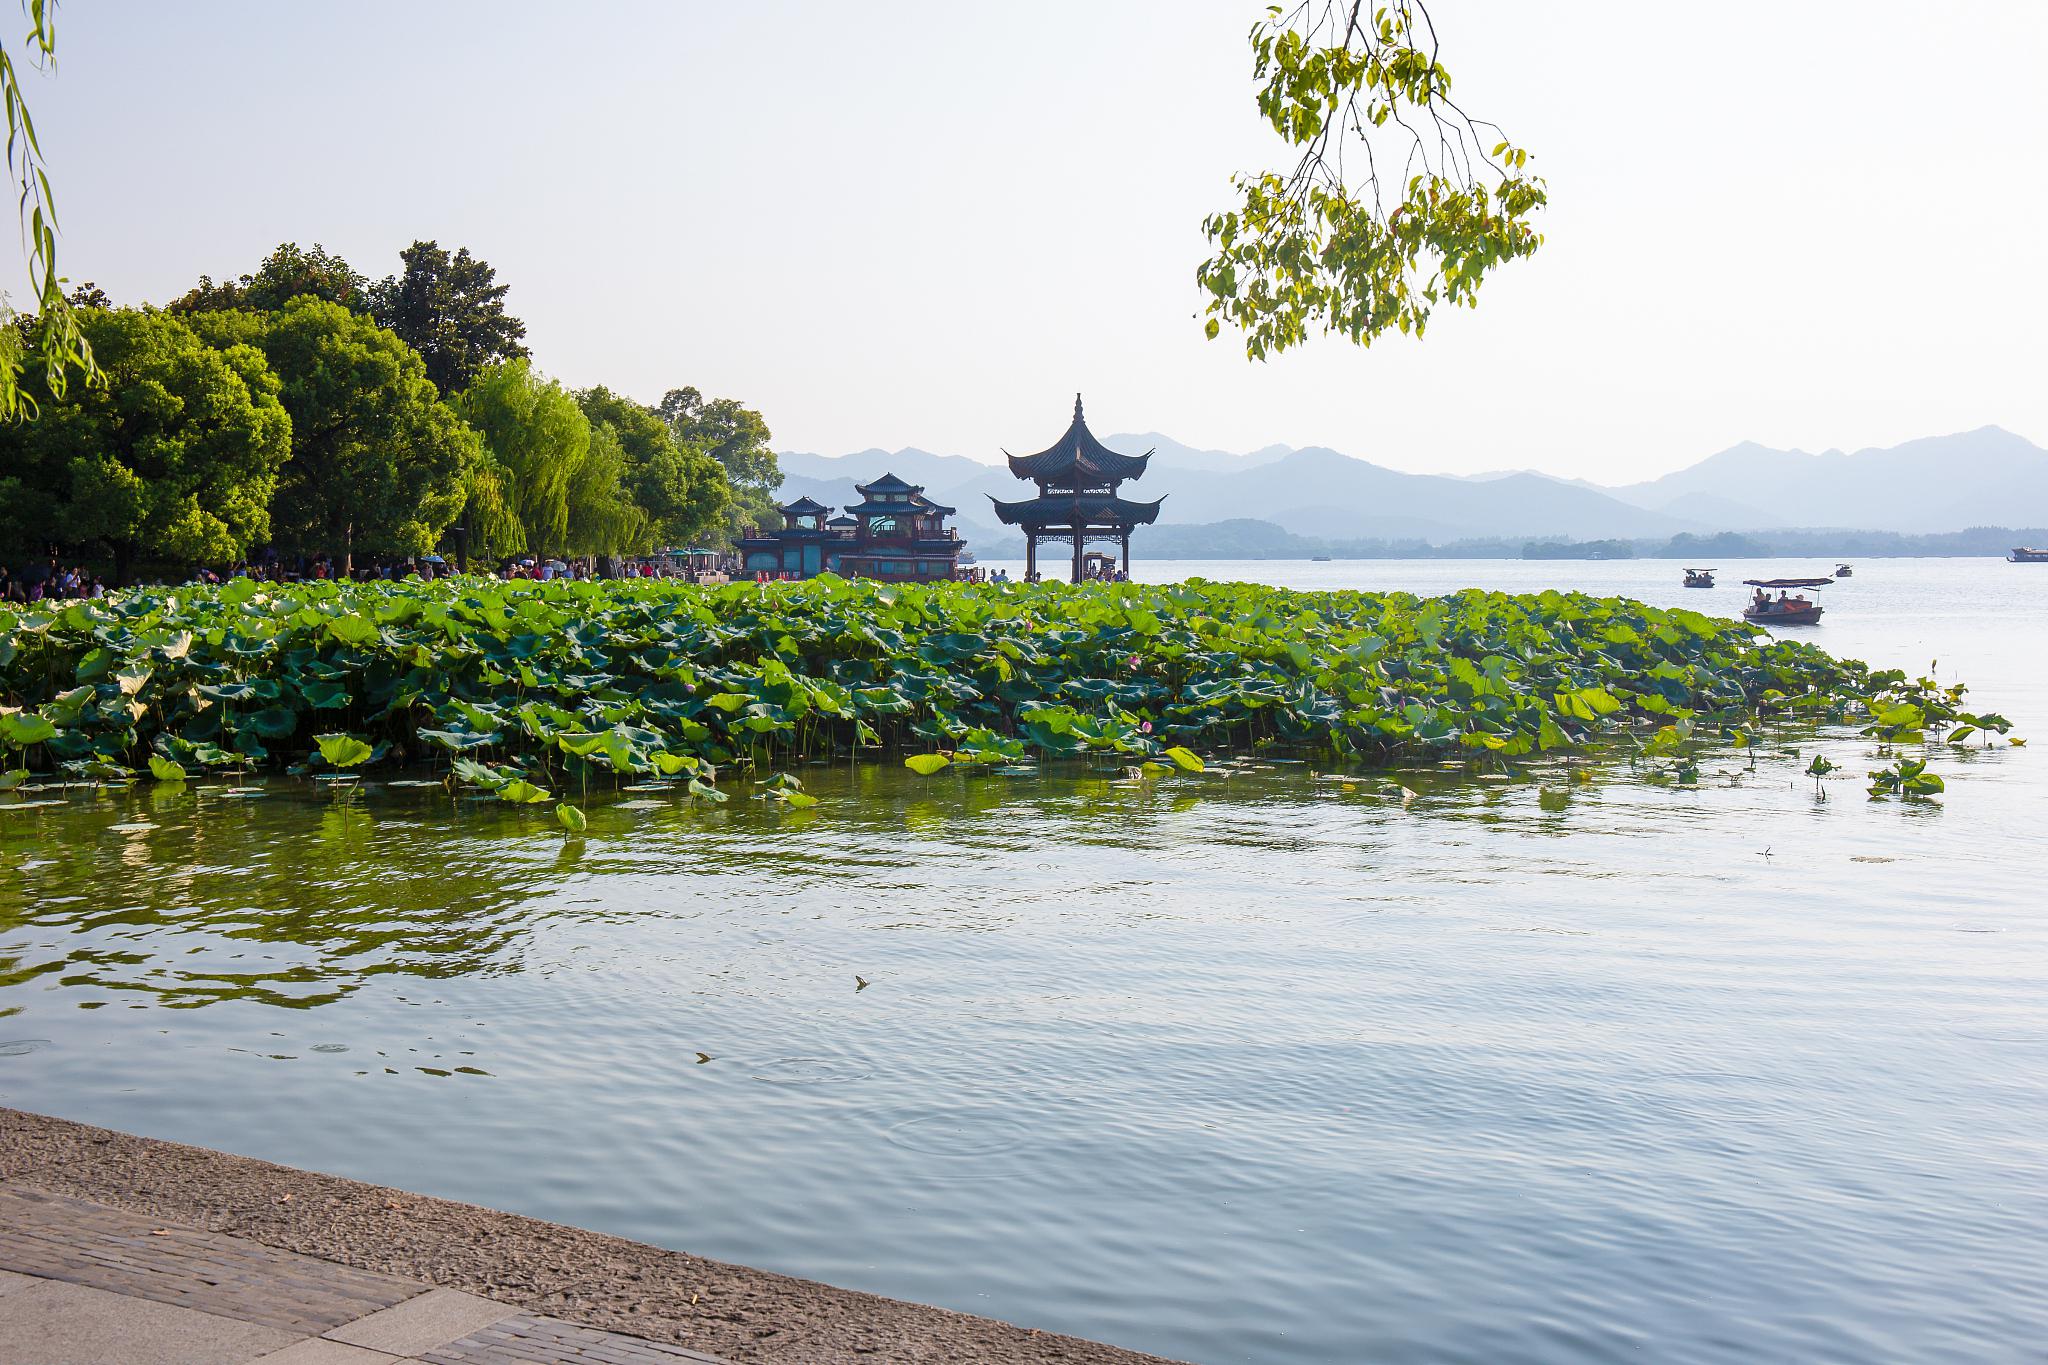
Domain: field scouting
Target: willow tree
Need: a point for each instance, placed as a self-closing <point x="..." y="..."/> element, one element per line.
<point x="1398" y="199"/>
<point x="53" y="337"/>
<point x="562" y="481"/>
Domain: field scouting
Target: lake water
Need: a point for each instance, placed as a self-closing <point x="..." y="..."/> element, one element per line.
<point x="1233" y="1069"/>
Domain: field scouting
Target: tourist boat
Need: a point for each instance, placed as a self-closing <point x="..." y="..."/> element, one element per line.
<point x="2023" y="555"/>
<point x="1844" y="571"/>
<point x="1319" y="559"/>
<point x="1795" y="611"/>
<point x="1699" y="578"/>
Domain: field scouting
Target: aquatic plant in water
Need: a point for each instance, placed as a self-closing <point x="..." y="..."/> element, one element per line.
<point x="524" y="689"/>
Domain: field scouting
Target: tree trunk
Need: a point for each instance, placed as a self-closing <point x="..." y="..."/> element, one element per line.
<point x="124" y="555"/>
<point x="348" y="551"/>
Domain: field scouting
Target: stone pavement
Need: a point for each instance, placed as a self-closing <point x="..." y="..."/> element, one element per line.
<point x="86" y="1284"/>
<point x="250" y="1250"/>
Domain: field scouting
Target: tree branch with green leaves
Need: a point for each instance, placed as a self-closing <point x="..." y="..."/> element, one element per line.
<point x="1398" y="201"/>
<point x="53" y="337"/>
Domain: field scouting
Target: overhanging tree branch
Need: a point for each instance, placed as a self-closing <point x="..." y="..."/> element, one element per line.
<point x="1312" y="251"/>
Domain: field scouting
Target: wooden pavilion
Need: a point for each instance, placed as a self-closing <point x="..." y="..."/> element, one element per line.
<point x="1077" y="502"/>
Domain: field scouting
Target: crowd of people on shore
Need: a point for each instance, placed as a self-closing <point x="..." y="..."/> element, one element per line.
<point x="42" y="581"/>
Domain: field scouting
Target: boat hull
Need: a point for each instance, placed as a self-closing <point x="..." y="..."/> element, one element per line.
<point x="1799" y="616"/>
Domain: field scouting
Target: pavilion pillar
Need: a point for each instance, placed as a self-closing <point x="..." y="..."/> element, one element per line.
<point x="1030" y="553"/>
<point x="1078" y="539"/>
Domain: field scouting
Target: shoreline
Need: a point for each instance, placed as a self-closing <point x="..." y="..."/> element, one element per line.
<point x="589" y="1278"/>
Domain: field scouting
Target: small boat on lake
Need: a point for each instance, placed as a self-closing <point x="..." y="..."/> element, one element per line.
<point x="2022" y="554"/>
<point x="1699" y="578"/>
<point x="1845" y="571"/>
<point x="1766" y="610"/>
<point x="1319" y="559"/>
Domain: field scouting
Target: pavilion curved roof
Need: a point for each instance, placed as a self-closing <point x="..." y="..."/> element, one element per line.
<point x="803" y="507"/>
<point x="888" y="483"/>
<point x="1093" y="509"/>
<point x="1079" y="457"/>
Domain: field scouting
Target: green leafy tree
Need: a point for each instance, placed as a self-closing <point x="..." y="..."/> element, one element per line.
<point x="53" y="339"/>
<point x="603" y="519"/>
<point x="451" y="309"/>
<point x="176" y="454"/>
<point x="1399" y="199"/>
<point x="378" y="463"/>
<point x="284" y="275"/>
<point x="737" y="437"/>
<point x="681" y="491"/>
<point x="537" y="434"/>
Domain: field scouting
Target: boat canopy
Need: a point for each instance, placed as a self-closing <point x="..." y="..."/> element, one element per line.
<point x="1788" y="582"/>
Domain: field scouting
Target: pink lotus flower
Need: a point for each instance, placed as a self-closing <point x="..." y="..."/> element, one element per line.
<point x="1146" y="728"/>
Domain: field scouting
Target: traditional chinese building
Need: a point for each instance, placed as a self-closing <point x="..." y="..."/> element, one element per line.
<point x="1077" y="502"/>
<point x="894" y="532"/>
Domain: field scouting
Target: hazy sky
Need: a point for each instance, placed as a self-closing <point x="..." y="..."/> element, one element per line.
<point x="1808" y="224"/>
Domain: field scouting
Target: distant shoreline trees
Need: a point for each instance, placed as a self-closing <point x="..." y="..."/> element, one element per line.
<point x="303" y="408"/>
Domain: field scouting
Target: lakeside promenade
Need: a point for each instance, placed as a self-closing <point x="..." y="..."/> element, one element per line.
<point x="122" y="1248"/>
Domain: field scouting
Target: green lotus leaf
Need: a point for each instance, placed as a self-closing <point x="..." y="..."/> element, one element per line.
<point x="343" y="751"/>
<point x="23" y="728"/>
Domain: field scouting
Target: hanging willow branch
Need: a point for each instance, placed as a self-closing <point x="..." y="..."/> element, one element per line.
<point x="1327" y="246"/>
<point x="53" y="336"/>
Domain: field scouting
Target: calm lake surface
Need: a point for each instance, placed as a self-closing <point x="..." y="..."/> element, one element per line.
<point x="1232" y="1069"/>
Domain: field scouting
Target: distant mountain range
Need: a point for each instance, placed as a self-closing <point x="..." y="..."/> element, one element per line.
<point x="1933" y="485"/>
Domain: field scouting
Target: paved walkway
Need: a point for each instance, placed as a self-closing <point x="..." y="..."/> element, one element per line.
<point x="123" y="1233"/>
<point x="86" y="1284"/>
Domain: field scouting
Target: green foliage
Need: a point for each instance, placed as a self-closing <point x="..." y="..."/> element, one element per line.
<point x="285" y="274"/>
<point x="378" y="462"/>
<point x="450" y="309"/>
<point x="924" y="765"/>
<point x="176" y="451"/>
<point x="737" y="438"/>
<point x="1359" y="253"/>
<point x="164" y="770"/>
<point x="561" y="682"/>
<point x="53" y="335"/>
<point x="680" y="490"/>
<point x="1907" y="778"/>
<point x="342" y="751"/>
<point x="570" y="818"/>
<point x="538" y="435"/>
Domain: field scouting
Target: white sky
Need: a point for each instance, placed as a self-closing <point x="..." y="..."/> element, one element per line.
<point x="1803" y="222"/>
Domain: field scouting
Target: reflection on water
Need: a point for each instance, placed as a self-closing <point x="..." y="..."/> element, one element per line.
<point x="1433" y="1064"/>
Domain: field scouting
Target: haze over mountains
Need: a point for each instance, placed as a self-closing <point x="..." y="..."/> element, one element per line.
<point x="1937" y="484"/>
